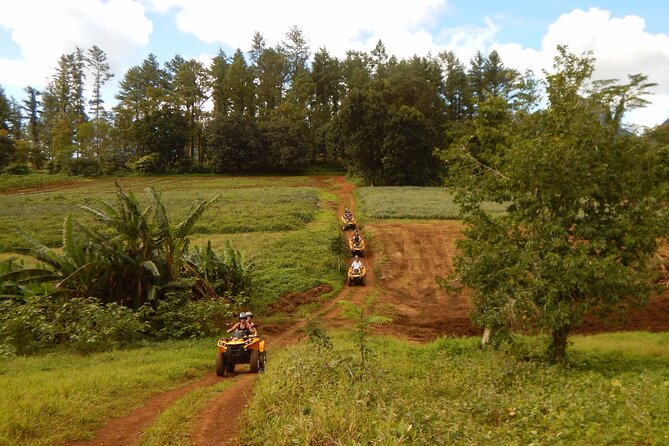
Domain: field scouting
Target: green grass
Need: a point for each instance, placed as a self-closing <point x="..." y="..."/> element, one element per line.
<point x="412" y="203"/>
<point x="282" y="223"/>
<point x="36" y="180"/>
<point x="452" y="392"/>
<point x="247" y="204"/>
<point x="60" y="397"/>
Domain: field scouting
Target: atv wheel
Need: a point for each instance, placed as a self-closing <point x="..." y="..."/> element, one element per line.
<point x="263" y="360"/>
<point x="255" y="361"/>
<point x="220" y="364"/>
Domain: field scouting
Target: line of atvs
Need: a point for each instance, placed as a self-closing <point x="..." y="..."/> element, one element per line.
<point x="357" y="271"/>
<point x="243" y="348"/>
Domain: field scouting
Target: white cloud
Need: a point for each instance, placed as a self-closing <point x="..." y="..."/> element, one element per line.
<point x="621" y="46"/>
<point x="341" y="26"/>
<point x="116" y="26"/>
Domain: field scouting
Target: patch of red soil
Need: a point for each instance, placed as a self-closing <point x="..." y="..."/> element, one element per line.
<point x="289" y="302"/>
<point x="218" y="423"/>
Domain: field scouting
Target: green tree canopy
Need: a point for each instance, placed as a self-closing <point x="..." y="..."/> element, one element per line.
<point x="584" y="214"/>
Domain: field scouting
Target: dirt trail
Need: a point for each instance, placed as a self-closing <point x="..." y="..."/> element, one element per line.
<point x="402" y="275"/>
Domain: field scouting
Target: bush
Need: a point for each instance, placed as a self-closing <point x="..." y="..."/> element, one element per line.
<point x="53" y="166"/>
<point x="150" y="163"/>
<point x="178" y="317"/>
<point x="17" y="169"/>
<point x="81" y="324"/>
<point x="85" y="167"/>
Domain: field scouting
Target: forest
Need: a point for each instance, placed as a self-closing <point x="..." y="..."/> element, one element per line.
<point x="276" y="108"/>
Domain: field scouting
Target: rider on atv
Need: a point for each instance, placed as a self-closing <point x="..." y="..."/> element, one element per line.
<point x="357" y="264"/>
<point x="252" y="327"/>
<point x="347" y="214"/>
<point x="243" y="325"/>
<point x="356" y="237"/>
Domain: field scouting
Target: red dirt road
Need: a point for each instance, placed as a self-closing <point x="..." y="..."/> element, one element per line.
<point x="403" y="266"/>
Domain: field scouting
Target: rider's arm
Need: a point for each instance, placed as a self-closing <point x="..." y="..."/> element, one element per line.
<point x="234" y="327"/>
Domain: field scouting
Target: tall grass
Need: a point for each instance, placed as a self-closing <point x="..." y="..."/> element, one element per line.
<point x="55" y="398"/>
<point x="452" y="392"/>
<point x="412" y="202"/>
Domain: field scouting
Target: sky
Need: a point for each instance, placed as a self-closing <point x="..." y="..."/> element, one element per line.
<point x="626" y="36"/>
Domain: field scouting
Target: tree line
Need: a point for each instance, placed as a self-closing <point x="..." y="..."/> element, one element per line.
<point x="275" y="108"/>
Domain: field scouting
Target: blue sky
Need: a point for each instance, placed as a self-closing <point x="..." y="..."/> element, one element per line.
<point x="626" y="36"/>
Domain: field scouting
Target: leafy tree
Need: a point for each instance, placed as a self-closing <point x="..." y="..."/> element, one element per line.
<point x="7" y="146"/>
<point x="271" y="73"/>
<point x="235" y="144"/>
<point x="285" y="132"/>
<point x="190" y="86"/>
<point x="360" y="128"/>
<point x="296" y="50"/>
<point x="238" y="86"/>
<point x="456" y="88"/>
<point x="100" y="70"/>
<point x="219" y="95"/>
<point x="408" y="149"/>
<point x="32" y="109"/>
<point x="163" y="132"/>
<point x="585" y="210"/>
<point x="356" y="70"/>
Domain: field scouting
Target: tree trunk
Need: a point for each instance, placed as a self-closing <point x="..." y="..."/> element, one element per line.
<point x="557" y="349"/>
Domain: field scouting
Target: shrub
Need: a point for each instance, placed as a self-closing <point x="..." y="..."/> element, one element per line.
<point x="150" y="163"/>
<point x="17" y="169"/>
<point x="178" y="317"/>
<point x="82" y="324"/>
<point x="85" y="167"/>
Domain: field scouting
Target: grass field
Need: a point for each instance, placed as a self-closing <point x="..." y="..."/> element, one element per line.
<point x="246" y="204"/>
<point x="447" y="392"/>
<point x="452" y="392"/>
<point x="412" y="202"/>
<point x="17" y="183"/>
<point x="282" y="224"/>
<point x="50" y="399"/>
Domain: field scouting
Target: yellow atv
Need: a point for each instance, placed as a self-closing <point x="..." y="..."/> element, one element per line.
<point x="356" y="276"/>
<point x="357" y="249"/>
<point x="241" y="348"/>
<point x="348" y="223"/>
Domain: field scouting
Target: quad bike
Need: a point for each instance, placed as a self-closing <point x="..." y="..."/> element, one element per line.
<point x="348" y="223"/>
<point x="356" y="276"/>
<point x="357" y="249"/>
<point x="241" y="348"/>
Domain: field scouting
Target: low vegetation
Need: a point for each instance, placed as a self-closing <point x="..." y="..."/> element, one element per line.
<point x="134" y="275"/>
<point x="246" y="204"/>
<point x="60" y="397"/>
<point x="30" y="181"/>
<point x="453" y="392"/>
<point x="413" y="203"/>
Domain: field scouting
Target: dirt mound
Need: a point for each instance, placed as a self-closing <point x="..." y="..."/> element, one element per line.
<point x="289" y="302"/>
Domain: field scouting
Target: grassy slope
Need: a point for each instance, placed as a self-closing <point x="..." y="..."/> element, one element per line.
<point x="411" y="202"/>
<point x="282" y="223"/>
<point x="246" y="204"/>
<point x="52" y="398"/>
<point x="452" y="392"/>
